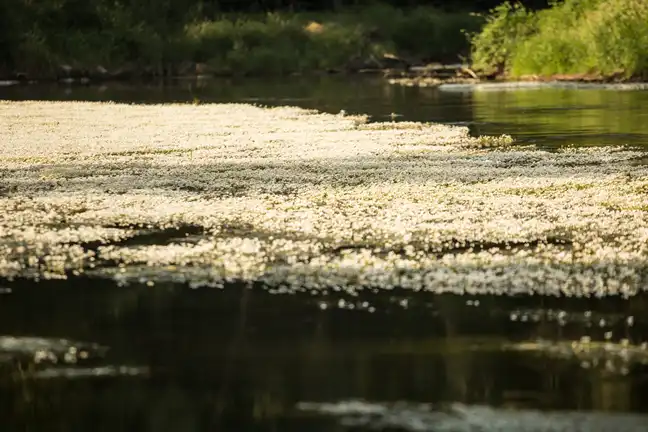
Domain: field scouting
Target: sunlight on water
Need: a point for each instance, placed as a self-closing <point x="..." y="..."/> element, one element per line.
<point x="339" y="242"/>
<point x="460" y="418"/>
<point x="547" y="117"/>
<point x="556" y="117"/>
<point x="255" y="356"/>
<point x="49" y="351"/>
<point x="102" y="371"/>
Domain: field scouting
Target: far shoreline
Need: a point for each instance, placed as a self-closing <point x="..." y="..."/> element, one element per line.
<point x="390" y="76"/>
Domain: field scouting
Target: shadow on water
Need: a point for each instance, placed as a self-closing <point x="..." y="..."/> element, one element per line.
<point x="86" y="354"/>
<point x="174" y="358"/>
<point x="550" y="118"/>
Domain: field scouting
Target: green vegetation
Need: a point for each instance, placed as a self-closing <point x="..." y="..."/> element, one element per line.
<point x="164" y="37"/>
<point x="595" y="37"/>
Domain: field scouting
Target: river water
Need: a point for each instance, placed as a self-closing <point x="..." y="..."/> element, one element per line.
<point x="85" y="354"/>
<point x="548" y="117"/>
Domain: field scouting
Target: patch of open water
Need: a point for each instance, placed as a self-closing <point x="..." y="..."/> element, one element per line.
<point x="175" y="358"/>
<point x="547" y="117"/>
<point x="86" y="354"/>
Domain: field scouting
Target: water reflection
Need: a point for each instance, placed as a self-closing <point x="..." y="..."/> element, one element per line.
<point x="459" y="417"/>
<point x="241" y="358"/>
<point x="566" y="116"/>
<point x="548" y="117"/>
<point x="244" y="359"/>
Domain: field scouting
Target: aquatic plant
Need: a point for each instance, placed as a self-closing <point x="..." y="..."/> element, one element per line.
<point x="301" y="200"/>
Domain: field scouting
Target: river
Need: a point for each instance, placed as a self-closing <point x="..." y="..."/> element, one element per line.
<point x="88" y="354"/>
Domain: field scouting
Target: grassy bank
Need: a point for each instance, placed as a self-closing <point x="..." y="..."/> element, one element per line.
<point x="248" y="44"/>
<point x="588" y="37"/>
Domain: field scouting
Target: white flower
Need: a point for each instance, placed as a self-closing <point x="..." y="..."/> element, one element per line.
<point x="306" y="200"/>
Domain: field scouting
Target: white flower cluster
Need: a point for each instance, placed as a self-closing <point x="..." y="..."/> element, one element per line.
<point x="302" y="200"/>
<point x="609" y="357"/>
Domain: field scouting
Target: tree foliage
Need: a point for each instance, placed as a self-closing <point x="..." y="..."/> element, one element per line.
<point x="592" y="37"/>
<point x="40" y="35"/>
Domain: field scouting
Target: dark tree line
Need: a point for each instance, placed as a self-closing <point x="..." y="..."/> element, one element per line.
<point x="32" y="32"/>
<point x="210" y="6"/>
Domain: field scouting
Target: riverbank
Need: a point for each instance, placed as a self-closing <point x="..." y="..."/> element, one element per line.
<point x="592" y="40"/>
<point x="463" y="77"/>
<point x="299" y="200"/>
<point x="370" y="38"/>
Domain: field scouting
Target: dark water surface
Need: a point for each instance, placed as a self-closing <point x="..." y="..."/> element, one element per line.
<point x="244" y="359"/>
<point x="546" y="117"/>
<point x="84" y="354"/>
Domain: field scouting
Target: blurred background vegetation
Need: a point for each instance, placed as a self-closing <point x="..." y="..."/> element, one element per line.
<point x="166" y="37"/>
<point x="595" y="37"/>
<point x="50" y="38"/>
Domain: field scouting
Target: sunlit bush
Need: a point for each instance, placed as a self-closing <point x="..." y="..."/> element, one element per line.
<point x="574" y="36"/>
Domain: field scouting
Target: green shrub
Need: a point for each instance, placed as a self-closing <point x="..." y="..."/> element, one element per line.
<point x="271" y="45"/>
<point x="574" y="36"/>
<point x="34" y="52"/>
<point x="434" y="35"/>
<point x="334" y="46"/>
<point x="210" y="40"/>
<point x="150" y="36"/>
<point x="275" y="45"/>
<point x="424" y="33"/>
<point x="505" y="27"/>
